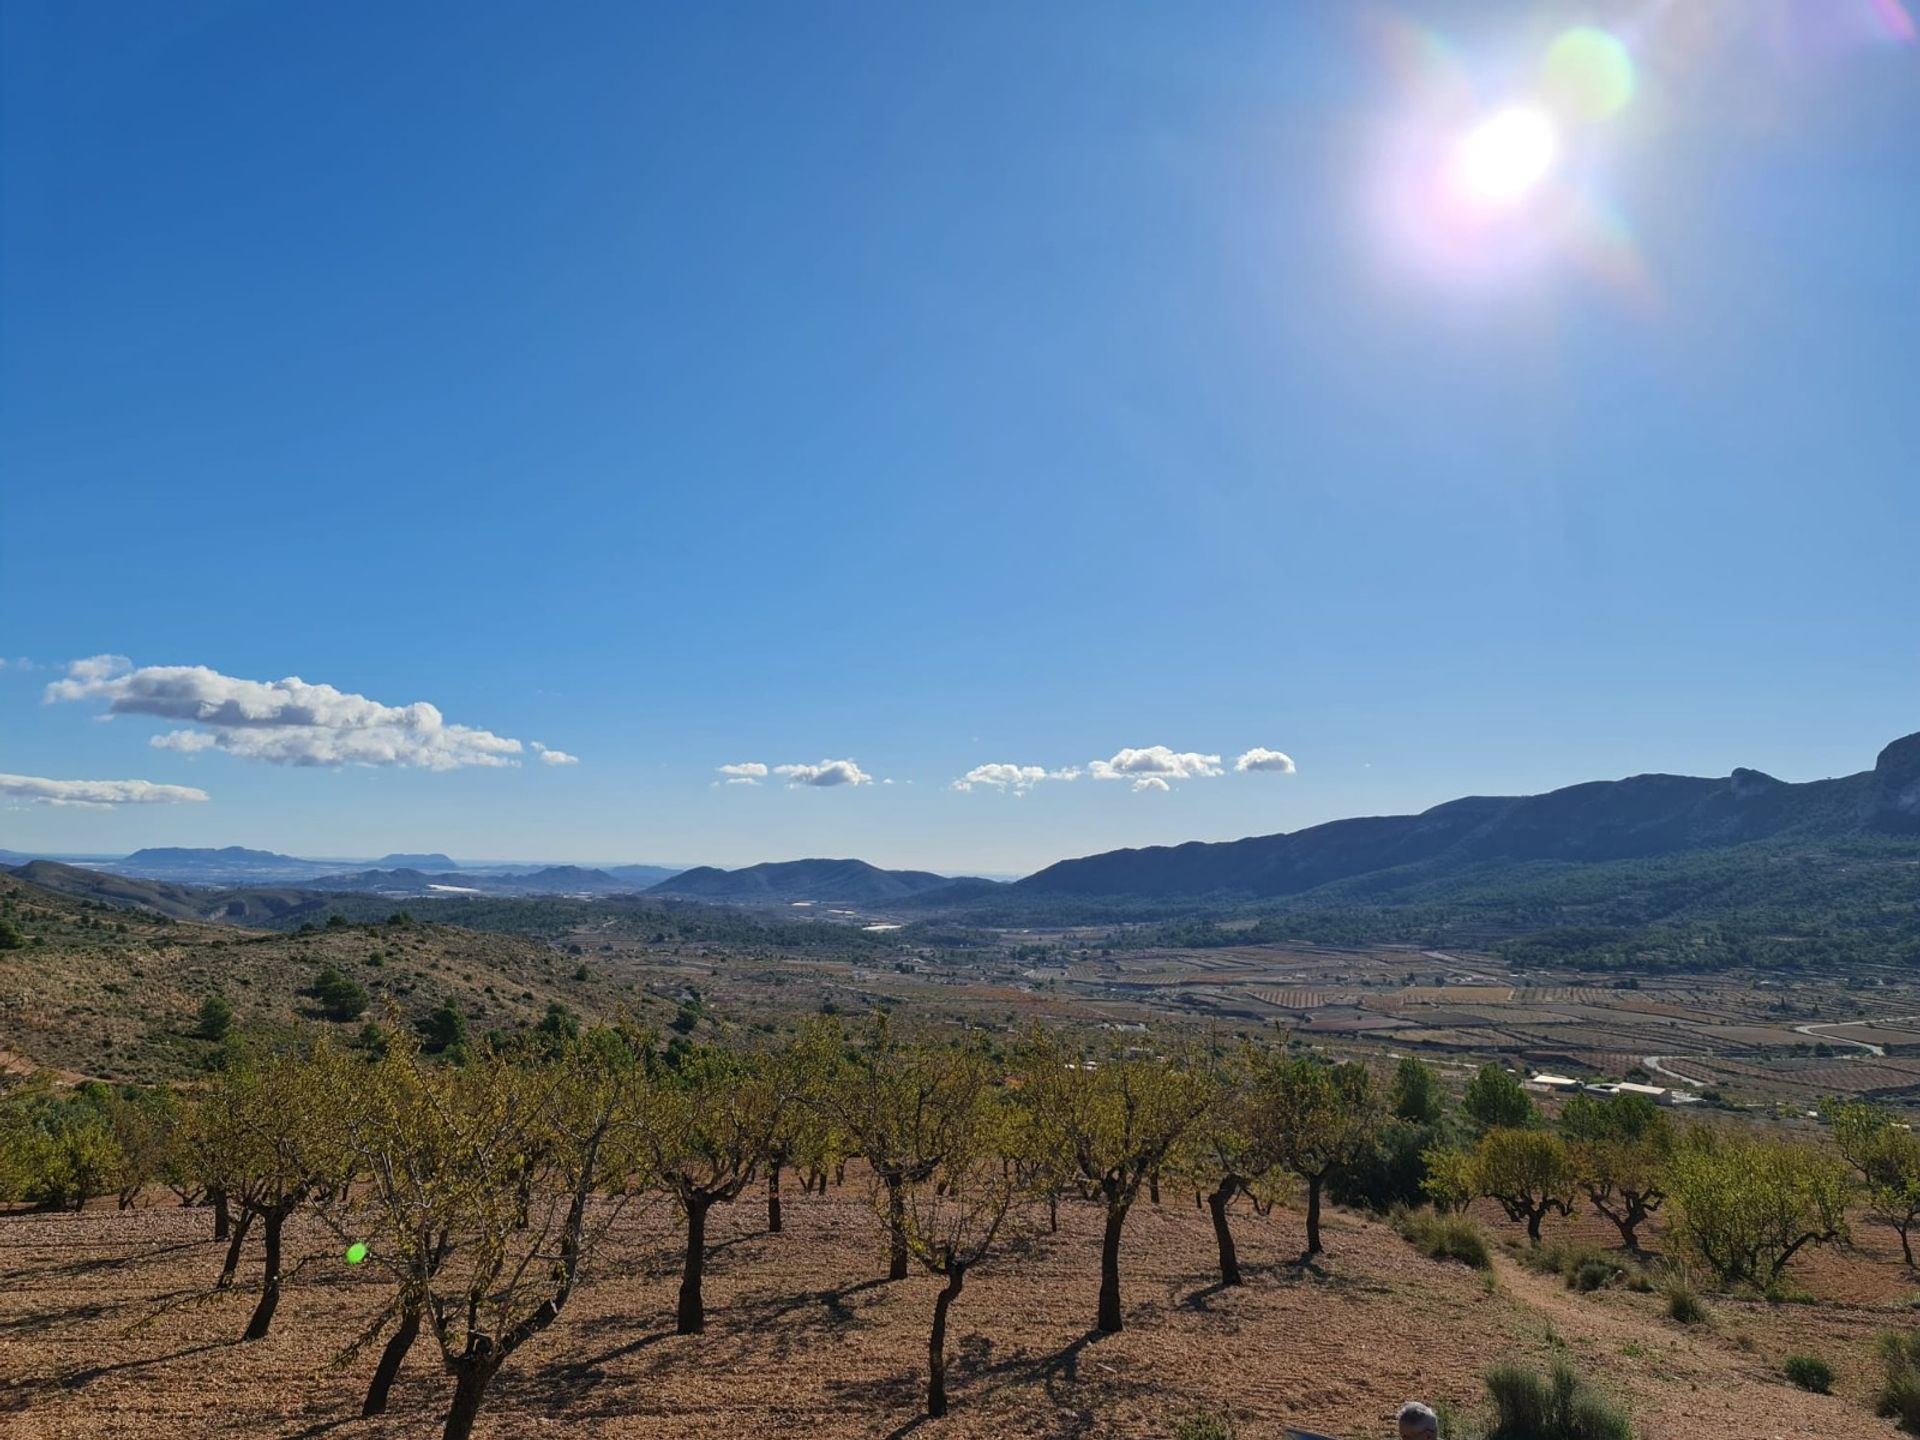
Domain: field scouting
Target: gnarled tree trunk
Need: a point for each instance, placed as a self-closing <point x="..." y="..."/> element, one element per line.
<point x="273" y="1221"/>
<point x="1217" y="1204"/>
<point x="937" y="1341"/>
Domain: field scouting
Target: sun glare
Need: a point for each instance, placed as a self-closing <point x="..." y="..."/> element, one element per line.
<point x="1505" y="156"/>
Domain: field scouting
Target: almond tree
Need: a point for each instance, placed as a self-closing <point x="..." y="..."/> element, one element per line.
<point x="1317" y="1119"/>
<point x="1118" y="1118"/>
<point x="267" y="1137"/>
<point x="1749" y="1203"/>
<point x="908" y="1110"/>
<point x="952" y="1224"/>
<point x="712" y="1122"/>
<point x="1887" y="1156"/>
<point x="1230" y="1149"/>
<point x="409" y="1133"/>
<point x="503" y="1279"/>
<point x="1529" y="1173"/>
<point x="1620" y="1147"/>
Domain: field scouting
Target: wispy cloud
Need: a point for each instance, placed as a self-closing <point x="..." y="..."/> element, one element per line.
<point x="550" y="756"/>
<point x="1260" y="758"/>
<point x="97" y="794"/>
<point x="284" y="722"/>
<point x="1014" y="779"/>
<point x="826" y="774"/>
<point x="745" y="772"/>
<point x="1153" y="767"/>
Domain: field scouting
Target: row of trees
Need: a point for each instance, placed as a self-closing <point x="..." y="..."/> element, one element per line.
<point x="480" y="1185"/>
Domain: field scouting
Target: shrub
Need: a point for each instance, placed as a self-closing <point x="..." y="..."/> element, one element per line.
<point x="10" y="937"/>
<point x="216" y="1018"/>
<point x="1810" y="1372"/>
<point x="1202" y="1425"/>
<point x="339" y="997"/>
<point x="1557" y="1406"/>
<point x="1900" y="1395"/>
<point x="1592" y="1274"/>
<point x="1683" y="1302"/>
<point x="1445" y="1237"/>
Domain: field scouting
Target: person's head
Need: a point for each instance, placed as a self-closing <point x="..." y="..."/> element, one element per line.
<point x="1418" y="1422"/>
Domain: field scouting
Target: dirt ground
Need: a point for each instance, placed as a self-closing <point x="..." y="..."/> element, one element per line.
<point x="804" y="1338"/>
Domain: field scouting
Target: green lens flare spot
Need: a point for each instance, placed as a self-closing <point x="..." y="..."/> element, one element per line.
<point x="356" y="1252"/>
<point x="1590" y="73"/>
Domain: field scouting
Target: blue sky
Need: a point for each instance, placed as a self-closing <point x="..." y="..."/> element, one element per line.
<point x="932" y="387"/>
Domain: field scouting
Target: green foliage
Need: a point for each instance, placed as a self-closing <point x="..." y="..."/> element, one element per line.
<point x="444" y="1030"/>
<point x="1392" y="1170"/>
<point x="1204" y="1425"/>
<point x="1529" y="1172"/>
<point x="558" y="1026"/>
<point x="1749" y="1203"/>
<point x="1445" y="1237"/>
<point x="1809" y="1372"/>
<point x="339" y="996"/>
<point x="1886" y="1156"/>
<point x="58" y="1151"/>
<point x="1899" y="1396"/>
<point x="1681" y="1301"/>
<point x="10" y="936"/>
<point x="1417" y="1096"/>
<point x="1557" y="1406"/>
<point x="1495" y="1101"/>
<point x="215" y="1019"/>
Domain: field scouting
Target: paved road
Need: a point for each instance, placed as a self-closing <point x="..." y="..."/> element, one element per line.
<point x="1652" y="1062"/>
<point x="1814" y="1030"/>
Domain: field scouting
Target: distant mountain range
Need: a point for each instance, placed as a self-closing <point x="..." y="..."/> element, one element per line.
<point x="1642" y="817"/>
<point x="399" y="873"/>
<point x="825" y="882"/>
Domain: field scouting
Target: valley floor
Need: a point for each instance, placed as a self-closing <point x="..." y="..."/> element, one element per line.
<point x="803" y="1338"/>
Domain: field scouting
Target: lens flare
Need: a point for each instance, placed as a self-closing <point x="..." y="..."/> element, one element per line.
<point x="356" y="1252"/>
<point x="1589" y="73"/>
<point x="1505" y="156"/>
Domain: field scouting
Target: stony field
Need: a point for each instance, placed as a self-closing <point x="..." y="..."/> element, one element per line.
<point x="803" y="1338"/>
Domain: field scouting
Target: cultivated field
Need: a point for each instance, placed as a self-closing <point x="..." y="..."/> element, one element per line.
<point x="803" y="1338"/>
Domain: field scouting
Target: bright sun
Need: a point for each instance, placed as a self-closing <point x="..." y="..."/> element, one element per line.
<point x="1506" y="155"/>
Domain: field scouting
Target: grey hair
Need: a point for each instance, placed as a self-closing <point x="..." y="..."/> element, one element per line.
<point x="1415" y="1416"/>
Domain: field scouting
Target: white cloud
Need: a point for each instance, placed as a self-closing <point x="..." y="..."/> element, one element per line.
<point x="1155" y="762"/>
<point x="1260" y="758"/>
<point x="1015" y="778"/>
<point x="283" y="722"/>
<point x="1151" y="782"/>
<point x="97" y="794"/>
<point x="746" y="772"/>
<point x="550" y="756"/>
<point x="826" y="773"/>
